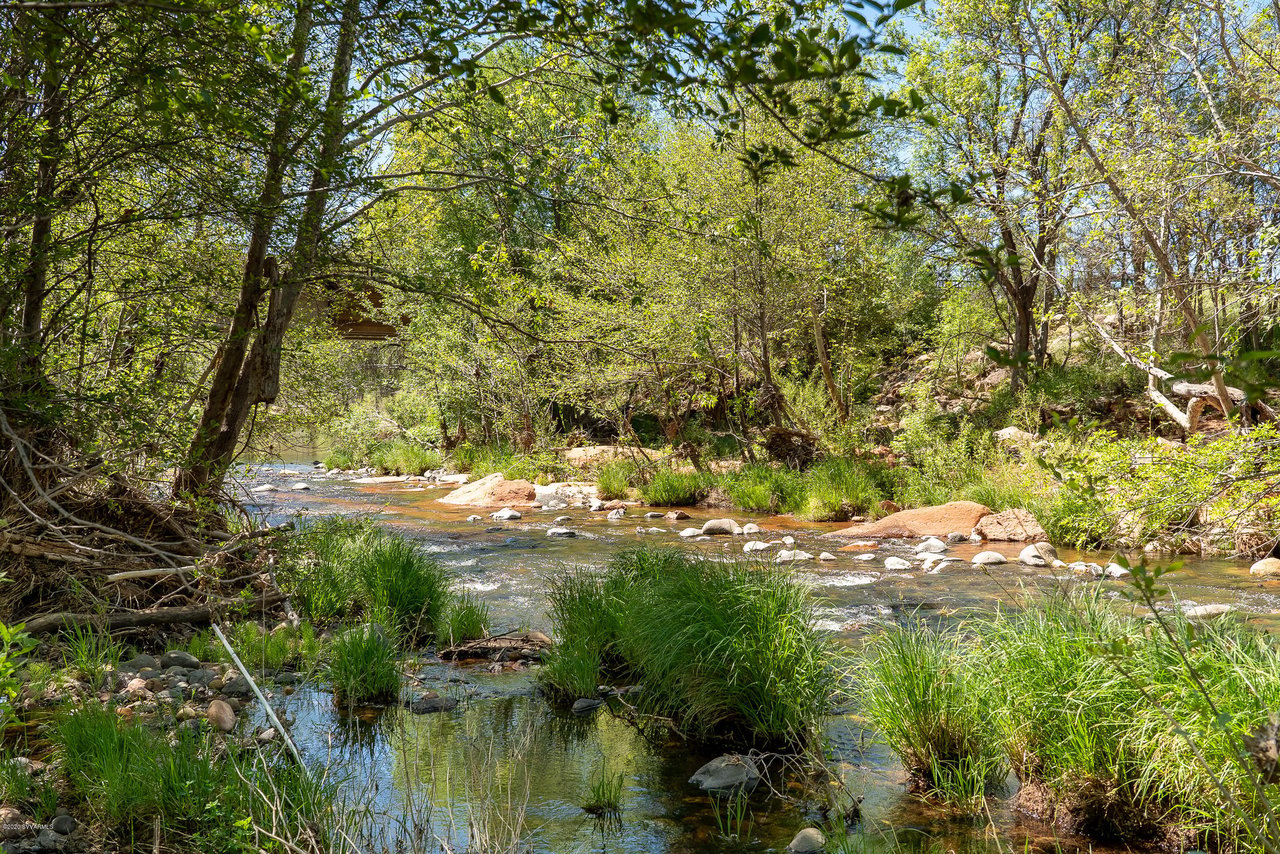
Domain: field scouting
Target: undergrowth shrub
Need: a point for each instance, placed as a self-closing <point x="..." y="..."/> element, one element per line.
<point x="615" y="478"/>
<point x="363" y="667"/>
<point x="728" y="652"/>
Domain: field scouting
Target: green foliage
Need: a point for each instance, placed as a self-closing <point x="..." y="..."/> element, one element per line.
<point x="1128" y="727"/>
<point x="764" y="489"/>
<point x="929" y="706"/>
<point x="837" y="489"/>
<point x="283" y="646"/>
<point x="538" y="467"/>
<point x="728" y="652"/>
<point x="467" y="619"/>
<point x="669" y="488"/>
<point x="89" y="651"/>
<point x="363" y="667"/>
<point x="125" y="775"/>
<point x="340" y="569"/>
<point x="34" y="797"/>
<point x="615" y="478"/>
<point x="14" y="644"/>
<point x="605" y="798"/>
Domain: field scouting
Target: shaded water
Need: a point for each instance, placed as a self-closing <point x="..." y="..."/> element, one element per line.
<point x="505" y="742"/>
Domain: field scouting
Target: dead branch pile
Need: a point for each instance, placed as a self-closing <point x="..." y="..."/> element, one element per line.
<point x="81" y="543"/>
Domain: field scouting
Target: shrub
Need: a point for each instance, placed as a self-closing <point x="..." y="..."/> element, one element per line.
<point x="363" y="667"/>
<point x="669" y="488"/>
<point x="728" y="652"/>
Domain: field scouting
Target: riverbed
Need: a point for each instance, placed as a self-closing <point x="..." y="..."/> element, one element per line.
<point x="505" y="762"/>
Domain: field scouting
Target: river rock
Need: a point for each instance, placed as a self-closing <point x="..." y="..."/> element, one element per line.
<point x="300" y="487"/>
<point x="1206" y="612"/>
<point x="1268" y="567"/>
<point x="493" y="491"/>
<point x="506" y="514"/>
<point x="788" y="541"/>
<point x="726" y="772"/>
<point x="179" y="658"/>
<point x="896" y="563"/>
<point x="921" y="522"/>
<point x="989" y="559"/>
<point x="1014" y="525"/>
<point x="561" y="532"/>
<point x="956" y="537"/>
<point x="595" y="505"/>
<point x="1038" y="554"/>
<point x="267" y="736"/>
<point x="474" y="518"/>
<point x="653" y="514"/>
<point x="221" y="716"/>
<point x="140" y="662"/>
<point x="455" y="479"/>
<point x="719" y="526"/>
<point x="617" y="514"/>
<point x="1014" y="436"/>
<point x="63" y="824"/>
<point x="1111" y="570"/>
<point x="675" y="516"/>
<point x="787" y="556"/>
<point x="826" y="556"/>
<point x="808" y="841"/>
<point x="755" y="546"/>
<point x="560" y="520"/>
<point x="751" y="528"/>
<point x="931" y="544"/>
<point x="50" y="840"/>
<point x="426" y="705"/>
<point x="866" y="556"/>
<point x="586" y="705"/>
<point x="690" y="532"/>
<point x="264" y="487"/>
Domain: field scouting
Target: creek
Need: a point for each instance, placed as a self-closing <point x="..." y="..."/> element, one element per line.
<point x="504" y="755"/>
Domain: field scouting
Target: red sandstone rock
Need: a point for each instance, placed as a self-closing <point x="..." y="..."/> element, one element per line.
<point x="921" y="522"/>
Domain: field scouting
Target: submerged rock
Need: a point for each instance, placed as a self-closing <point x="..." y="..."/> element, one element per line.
<point x="1206" y="612"/>
<point x="616" y="514"/>
<point x="719" y="526"/>
<point x="730" y="771"/>
<point x="653" y="514"/>
<point x="989" y="559"/>
<point x="586" y="705"/>
<point x="808" y="841"/>
<point x="426" y="705"/>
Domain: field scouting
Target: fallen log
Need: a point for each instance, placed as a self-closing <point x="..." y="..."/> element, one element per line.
<point x="199" y="614"/>
<point x="511" y="646"/>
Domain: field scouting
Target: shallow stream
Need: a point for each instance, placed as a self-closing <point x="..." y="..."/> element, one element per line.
<point x="504" y="752"/>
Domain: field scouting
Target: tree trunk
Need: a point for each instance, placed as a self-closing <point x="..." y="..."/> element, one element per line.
<point x="820" y="344"/>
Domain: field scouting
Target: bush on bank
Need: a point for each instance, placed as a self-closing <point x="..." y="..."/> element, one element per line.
<point x="1114" y="729"/>
<point x="725" y="652"/>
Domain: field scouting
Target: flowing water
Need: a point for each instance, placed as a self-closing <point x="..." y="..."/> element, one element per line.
<point x="504" y="755"/>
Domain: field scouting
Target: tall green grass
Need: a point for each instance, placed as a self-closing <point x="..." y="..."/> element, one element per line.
<point x="537" y="466"/>
<point x="395" y="456"/>
<point x="344" y="569"/>
<point x="614" y="479"/>
<point x="670" y="488"/>
<point x="1116" y="728"/>
<point x="124" y="776"/>
<point x="363" y="667"/>
<point x="298" y="648"/>
<point x="726" y="652"/>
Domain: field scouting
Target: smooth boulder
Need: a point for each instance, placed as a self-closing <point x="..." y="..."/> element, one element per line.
<point x="221" y="716"/>
<point x="730" y="771"/>
<point x="1268" y="567"/>
<point x="921" y="522"/>
<point x="989" y="559"/>
<point x="931" y="545"/>
<point x="1038" y="554"/>
<point x="1011" y="526"/>
<point x="787" y="556"/>
<point x="808" y="841"/>
<point x="493" y="491"/>
<point x="506" y="514"/>
<point x="561" y="532"/>
<point x="719" y="526"/>
<point x="896" y="563"/>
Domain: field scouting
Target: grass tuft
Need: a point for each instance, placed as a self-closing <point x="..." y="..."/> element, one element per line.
<point x="363" y="667"/>
<point x="668" y="488"/>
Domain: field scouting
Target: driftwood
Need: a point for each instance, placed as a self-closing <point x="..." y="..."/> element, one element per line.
<point x="198" y="614"/>
<point x="507" y="647"/>
<point x="1198" y="394"/>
